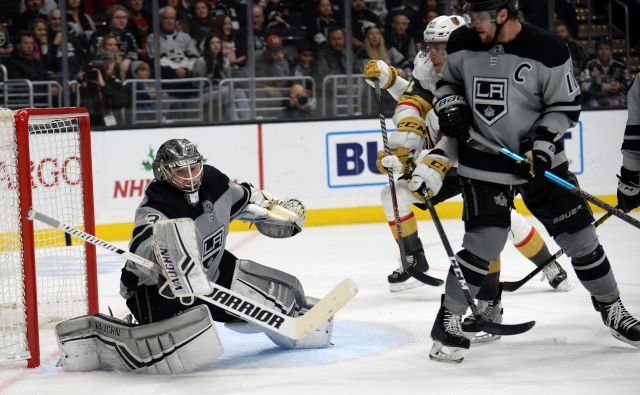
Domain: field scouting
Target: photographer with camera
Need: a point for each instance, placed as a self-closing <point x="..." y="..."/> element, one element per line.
<point x="101" y="92"/>
<point x="299" y="104"/>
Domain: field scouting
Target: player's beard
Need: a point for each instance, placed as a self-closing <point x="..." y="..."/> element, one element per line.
<point x="487" y="37"/>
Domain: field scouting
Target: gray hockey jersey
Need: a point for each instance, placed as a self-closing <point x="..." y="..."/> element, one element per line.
<point x="511" y="88"/>
<point x="631" y="142"/>
<point x="220" y="201"/>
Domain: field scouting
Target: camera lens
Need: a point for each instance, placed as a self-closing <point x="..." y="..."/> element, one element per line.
<point x="302" y="100"/>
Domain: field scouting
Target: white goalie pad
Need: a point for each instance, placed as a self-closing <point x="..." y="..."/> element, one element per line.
<point x="281" y="291"/>
<point x="176" y="249"/>
<point x="176" y="345"/>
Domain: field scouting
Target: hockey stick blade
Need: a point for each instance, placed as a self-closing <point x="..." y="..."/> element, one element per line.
<point x="423" y="278"/>
<point x="502" y="329"/>
<point x="511" y="286"/>
<point x="326" y="307"/>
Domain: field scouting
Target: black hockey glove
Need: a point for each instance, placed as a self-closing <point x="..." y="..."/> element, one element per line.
<point x="543" y="151"/>
<point x="454" y="117"/>
<point x="628" y="189"/>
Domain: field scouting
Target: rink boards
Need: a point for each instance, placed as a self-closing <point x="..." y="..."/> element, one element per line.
<point x="328" y="165"/>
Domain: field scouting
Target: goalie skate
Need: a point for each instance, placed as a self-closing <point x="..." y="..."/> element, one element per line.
<point x="556" y="276"/>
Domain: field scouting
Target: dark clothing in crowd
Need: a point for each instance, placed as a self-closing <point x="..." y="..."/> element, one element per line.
<point x="29" y="69"/>
<point x="102" y="101"/>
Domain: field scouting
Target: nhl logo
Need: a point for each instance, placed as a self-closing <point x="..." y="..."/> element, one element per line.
<point x="493" y="54"/>
<point x="208" y="208"/>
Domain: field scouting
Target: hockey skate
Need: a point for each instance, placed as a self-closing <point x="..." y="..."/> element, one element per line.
<point x="449" y="342"/>
<point x="491" y="310"/>
<point x="400" y="280"/>
<point x="622" y="325"/>
<point x="556" y="276"/>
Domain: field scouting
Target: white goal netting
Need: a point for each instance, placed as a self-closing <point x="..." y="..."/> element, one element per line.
<point x="60" y="261"/>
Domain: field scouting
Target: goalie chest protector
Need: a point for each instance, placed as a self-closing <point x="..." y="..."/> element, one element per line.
<point x="220" y="201"/>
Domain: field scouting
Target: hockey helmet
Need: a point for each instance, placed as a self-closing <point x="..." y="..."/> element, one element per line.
<point x="179" y="163"/>
<point x="492" y="6"/>
<point x="439" y="29"/>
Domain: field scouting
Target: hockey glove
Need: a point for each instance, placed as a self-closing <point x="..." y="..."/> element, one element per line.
<point x="398" y="162"/>
<point x="628" y="189"/>
<point x="454" y="117"/>
<point x="378" y="69"/>
<point x="429" y="174"/>
<point x="544" y="149"/>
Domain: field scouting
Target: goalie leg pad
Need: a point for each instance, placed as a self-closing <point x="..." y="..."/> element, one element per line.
<point x="281" y="291"/>
<point x="271" y="287"/>
<point x="176" y="345"/>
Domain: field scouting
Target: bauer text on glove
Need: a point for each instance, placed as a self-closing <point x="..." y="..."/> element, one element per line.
<point x="454" y="117"/>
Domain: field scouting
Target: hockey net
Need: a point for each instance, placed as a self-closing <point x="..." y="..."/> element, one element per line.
<point x="45" y="275"/>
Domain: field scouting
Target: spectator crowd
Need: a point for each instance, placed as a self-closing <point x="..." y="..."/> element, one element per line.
<point x="109" y="41"/>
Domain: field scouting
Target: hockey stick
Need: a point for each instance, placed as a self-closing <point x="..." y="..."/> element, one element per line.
<point x="483" y="324"/>
<point x="233" y="302"/>
<point x="422" y="277"/>
<point x="573" y="189"/>
<point x="511" y="286"/>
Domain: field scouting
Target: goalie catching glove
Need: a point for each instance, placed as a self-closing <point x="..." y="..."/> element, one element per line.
<point x="273" y="217"/>
<point x="429" y="173"/>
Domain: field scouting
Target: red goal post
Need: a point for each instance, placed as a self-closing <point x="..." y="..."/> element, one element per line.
<point x="45" y="275"/>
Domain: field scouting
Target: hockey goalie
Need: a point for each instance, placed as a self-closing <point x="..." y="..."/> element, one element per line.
<point x="184" y="217"/>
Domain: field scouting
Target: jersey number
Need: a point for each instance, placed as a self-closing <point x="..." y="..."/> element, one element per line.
<point x="572" y="84"/>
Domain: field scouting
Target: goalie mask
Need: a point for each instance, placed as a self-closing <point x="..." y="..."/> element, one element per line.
<point x="179" y="163"/>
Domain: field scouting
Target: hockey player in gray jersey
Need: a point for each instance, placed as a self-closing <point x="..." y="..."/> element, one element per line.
<point x="184" y="187"/>
<point x="417" y="132"/>
<point x="629" y="179"/>
<point x="513" y="83"/>
<point x="183" y="221"/>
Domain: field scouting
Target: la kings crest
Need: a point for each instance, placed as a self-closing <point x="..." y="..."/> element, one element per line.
<point x="490" y="98"/>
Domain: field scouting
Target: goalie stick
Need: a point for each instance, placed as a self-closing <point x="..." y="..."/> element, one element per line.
<point x="511" y="286"/>
<point x="422" y="277"/>
<point x="483" y="324"/>
<point x="233" y="302"/>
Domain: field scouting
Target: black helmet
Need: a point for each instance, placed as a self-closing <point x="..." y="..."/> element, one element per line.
<point x="174" y="164"/>
<point x="491" y="5"/>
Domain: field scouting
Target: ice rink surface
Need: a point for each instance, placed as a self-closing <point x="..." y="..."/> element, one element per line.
<point x="381" y="340"/>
